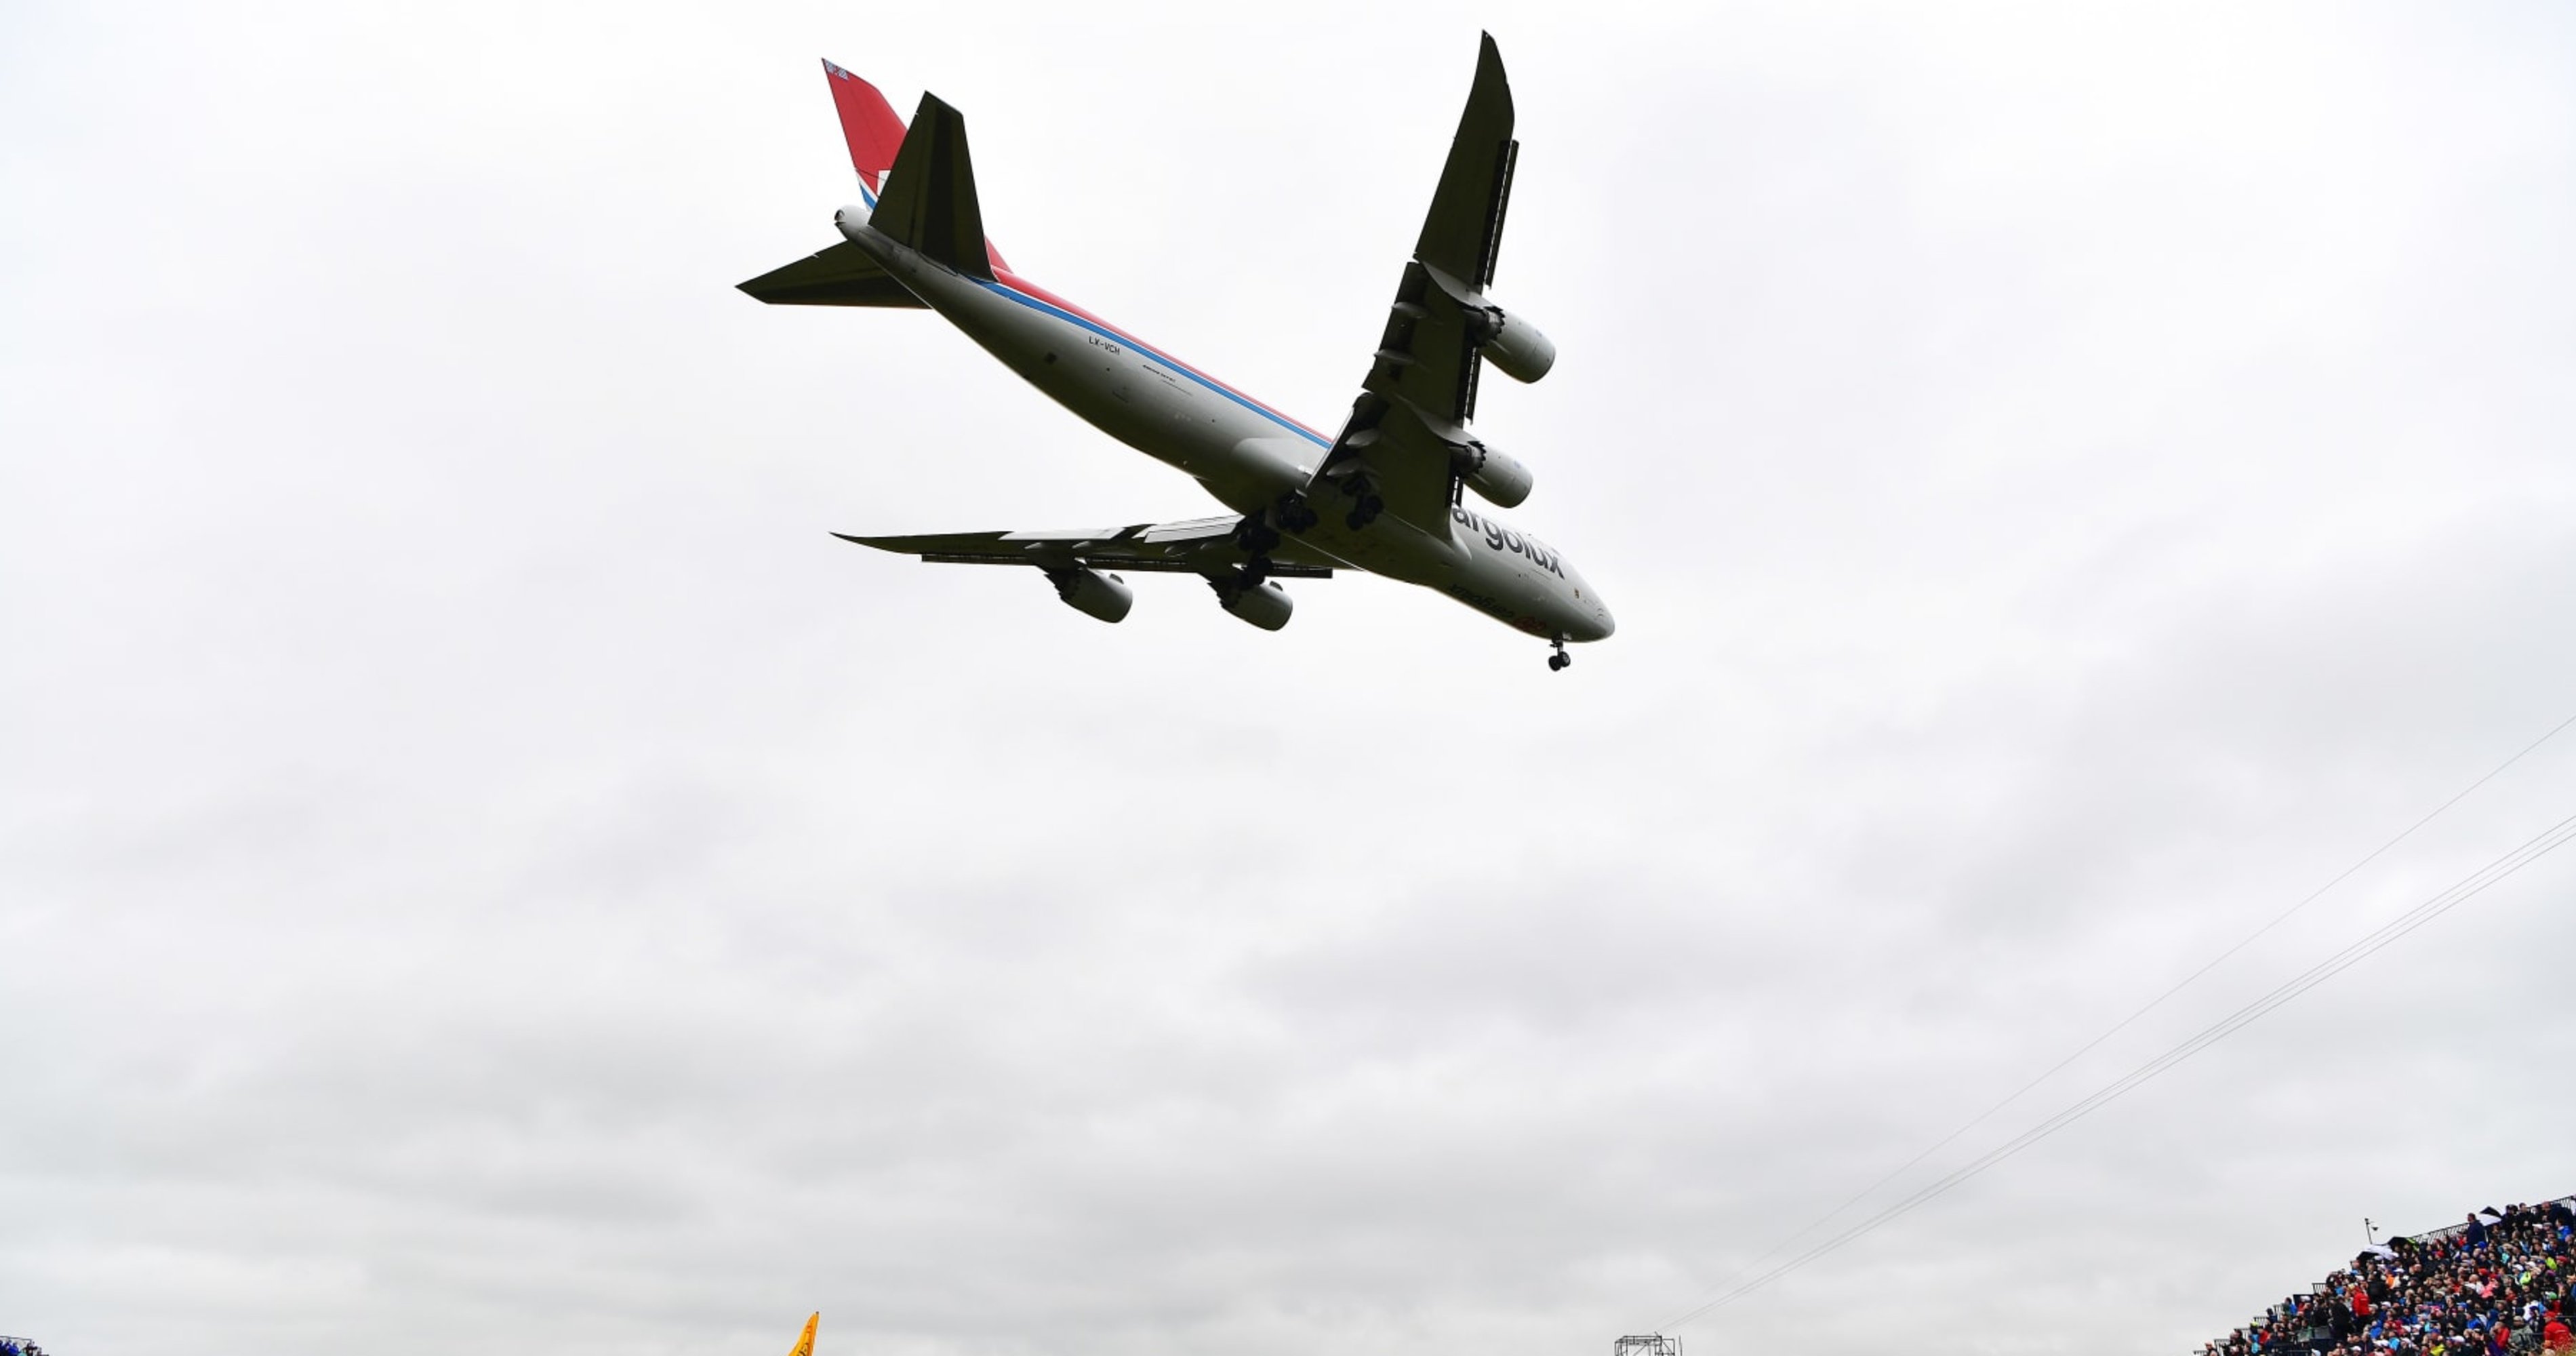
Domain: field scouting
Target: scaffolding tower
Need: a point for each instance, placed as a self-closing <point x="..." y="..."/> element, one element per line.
<point x="1652" y="1344"/>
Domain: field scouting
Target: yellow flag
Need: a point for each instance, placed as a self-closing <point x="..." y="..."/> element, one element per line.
<point x="805" y="1344"/>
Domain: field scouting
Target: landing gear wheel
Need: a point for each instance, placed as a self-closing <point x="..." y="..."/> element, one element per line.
<point x="1255" y="536"/>
<point x="1365" y="512"/>
<point x="1294" y="515"/>
<point x="1560" y="659"/>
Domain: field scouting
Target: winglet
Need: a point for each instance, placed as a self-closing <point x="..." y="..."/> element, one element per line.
<point x="805" y="1344"/>
<point x="870" y="124"/>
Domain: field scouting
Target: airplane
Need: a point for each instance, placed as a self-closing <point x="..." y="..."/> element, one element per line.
<point x="1384" y="495"/>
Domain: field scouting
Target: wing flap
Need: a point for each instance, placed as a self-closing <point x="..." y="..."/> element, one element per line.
<point x="1427" y="356"/>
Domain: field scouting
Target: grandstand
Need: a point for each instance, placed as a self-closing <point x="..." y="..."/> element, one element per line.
<point x="2499" y="1283"/>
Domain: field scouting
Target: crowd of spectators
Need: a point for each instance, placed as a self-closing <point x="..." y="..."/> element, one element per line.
<point x="2503" y="1283"/>
<point x="19" y="1346"/>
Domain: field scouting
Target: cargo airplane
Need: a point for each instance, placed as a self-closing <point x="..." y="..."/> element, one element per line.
<point x="1386" y="494"/>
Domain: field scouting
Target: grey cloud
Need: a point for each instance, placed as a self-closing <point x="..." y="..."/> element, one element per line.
<point x="482" y="867"/>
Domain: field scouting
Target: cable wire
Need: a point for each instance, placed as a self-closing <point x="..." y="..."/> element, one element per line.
<point x="2151" y="1005"/>
<point x="2378" y="939"/>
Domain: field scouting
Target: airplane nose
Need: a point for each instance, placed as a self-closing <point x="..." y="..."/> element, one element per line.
<point x="1591" y="622"/>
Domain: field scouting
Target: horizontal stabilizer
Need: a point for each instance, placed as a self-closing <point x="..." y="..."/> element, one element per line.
<point x="839" y="276"/>
<point x="929" y="198"/>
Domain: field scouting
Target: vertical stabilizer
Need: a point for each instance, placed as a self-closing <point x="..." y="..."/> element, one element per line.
<point x="805" y="1344"/>
<point x="928" y="201"/>
<point x="870" y="124"/>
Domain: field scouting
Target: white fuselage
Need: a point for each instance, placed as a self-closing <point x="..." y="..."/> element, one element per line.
<point x="1244" y="452"/>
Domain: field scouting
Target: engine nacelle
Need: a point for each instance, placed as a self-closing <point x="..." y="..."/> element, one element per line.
<point x="1266" y="605"/>
<point x="1092" y="594"/>
<point x="1513" y="345"/>
<point x="1501" y="481"/>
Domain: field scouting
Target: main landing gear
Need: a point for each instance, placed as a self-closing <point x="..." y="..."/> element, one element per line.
<point x="1258" y="535"/>
<point x="1294" y="515"/>
<point x="1560" y="658"/>
<point x="1257" y="539"/>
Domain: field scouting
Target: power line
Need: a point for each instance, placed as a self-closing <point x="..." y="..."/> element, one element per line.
<point x="2291" y="989"/>
<point x="2151" y="1005"/>
<point x="2476" y="882"/>
<point x="2378" y="939"/>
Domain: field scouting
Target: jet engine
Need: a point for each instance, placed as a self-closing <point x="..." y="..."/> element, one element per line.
<point x="1265" y="605"/>
<point x="1501" y="481"/>
<point x="1513" y="345"/>
<point x="1105" y="596"/>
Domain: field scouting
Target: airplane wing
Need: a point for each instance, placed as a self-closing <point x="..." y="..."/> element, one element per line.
<point x="1406" y="442"/>
<point x="1202" y="546"/>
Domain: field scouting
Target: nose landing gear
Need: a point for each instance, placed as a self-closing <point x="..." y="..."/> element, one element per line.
<point x="1559" y="659"/>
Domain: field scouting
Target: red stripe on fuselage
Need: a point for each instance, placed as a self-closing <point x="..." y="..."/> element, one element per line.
<point x="1022" y="285"/>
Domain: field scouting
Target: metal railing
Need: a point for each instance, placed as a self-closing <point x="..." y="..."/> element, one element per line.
<point x="2451" y="1231"/>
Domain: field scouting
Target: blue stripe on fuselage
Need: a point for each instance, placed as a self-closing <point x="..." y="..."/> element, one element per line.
<point x="1184" y="369"/>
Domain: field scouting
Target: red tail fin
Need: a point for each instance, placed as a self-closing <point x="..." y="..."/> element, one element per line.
<point x="874" y="129"/>
<point x="875" y="133"/>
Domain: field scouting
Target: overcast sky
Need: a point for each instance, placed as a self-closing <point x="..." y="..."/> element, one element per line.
<point x="481" y="868"/>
